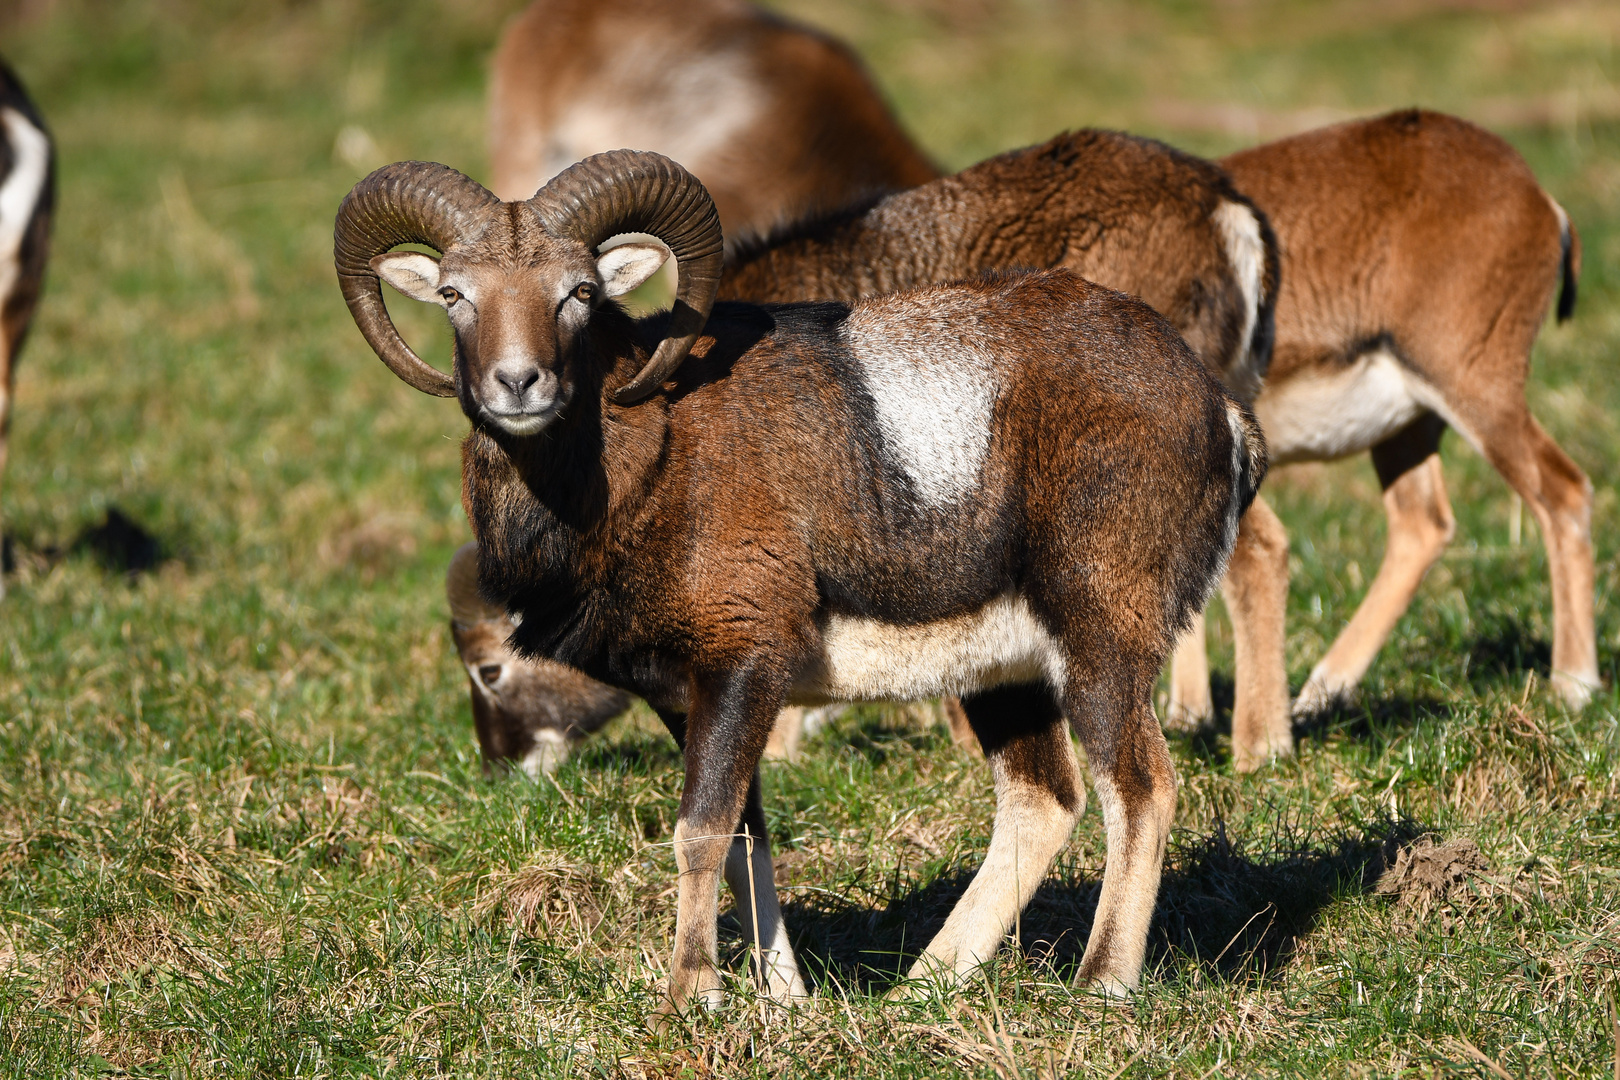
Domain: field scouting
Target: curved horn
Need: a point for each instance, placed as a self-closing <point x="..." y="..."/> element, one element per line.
<point x="409" y="202"/>
<point x="467" y="605"/>
<point x="636" y="191"/>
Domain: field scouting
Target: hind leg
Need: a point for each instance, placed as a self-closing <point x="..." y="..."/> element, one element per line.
<point x="1191" y="705"/>
<point x="1256" y="594"/>
<point x="1039" y="797"/>
<point x="1420" y="527"/>
<point x="1136" y="789"/>
<point x="1560" y="496"/>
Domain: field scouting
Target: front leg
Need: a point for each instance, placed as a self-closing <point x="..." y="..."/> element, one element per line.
<point x="751" y="875"/>
<point x="725" y="732"/>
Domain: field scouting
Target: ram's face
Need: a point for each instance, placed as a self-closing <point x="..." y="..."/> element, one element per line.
<point x="518" y="319"/>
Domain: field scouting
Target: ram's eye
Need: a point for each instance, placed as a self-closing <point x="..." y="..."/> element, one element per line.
<point x="585" y="292"/>
<point x="449" y="296"/>
<point x="490" y="674"/>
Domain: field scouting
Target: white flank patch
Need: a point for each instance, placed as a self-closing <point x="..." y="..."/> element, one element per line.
<point x="1319" y="417"/>
<point x="933" y="391"/>
<point x="1240" y="232"/>
<point x="21" y="191"/>
<point x="868" y="660"/>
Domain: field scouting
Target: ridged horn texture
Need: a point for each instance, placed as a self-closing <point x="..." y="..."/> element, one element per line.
<point x="467" y="605"/>
<point x="409" y="202"/>
<point x="634" y="191"/>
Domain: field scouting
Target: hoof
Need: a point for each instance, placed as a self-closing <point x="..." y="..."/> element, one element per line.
<point x="1109" y="986"/>
<point x="1247" y="759"/>
<point x="1188" y="718"/>
<point x="1576" y="690"/>
<point x="1318" y="697"/>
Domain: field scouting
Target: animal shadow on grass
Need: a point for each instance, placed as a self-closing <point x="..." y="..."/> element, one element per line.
<point x="119" y="545"/>
<point x="650" y="754"/>
<point x="1224" y="911"/>
<point x="1504" y="651"/>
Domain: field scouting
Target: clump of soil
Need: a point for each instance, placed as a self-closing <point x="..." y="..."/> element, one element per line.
<point x="1426" y="872"/>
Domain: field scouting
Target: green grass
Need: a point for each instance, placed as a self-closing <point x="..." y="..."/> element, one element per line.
<point x="243" y="828"/>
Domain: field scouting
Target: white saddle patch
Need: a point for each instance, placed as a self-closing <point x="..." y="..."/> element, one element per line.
<point x="1320" y="417"/>
<point x="868" y="660"/>
<point x="21" y="191"/>
<point x="933" y="390"/>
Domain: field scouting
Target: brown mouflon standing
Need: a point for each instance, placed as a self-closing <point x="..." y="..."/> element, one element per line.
<point x="777" y="119"/>
<point x="27" y="198"/>
<point x="1016" y="489"/>
<point x="1420" y="258"/>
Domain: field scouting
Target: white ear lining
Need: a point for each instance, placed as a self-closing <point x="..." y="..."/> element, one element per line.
<point x="629" y="265"/>
<point x="415" y="275"/>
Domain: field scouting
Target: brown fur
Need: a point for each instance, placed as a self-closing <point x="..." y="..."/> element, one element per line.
<point x="577" y="77"/>
<point x="1423" y="237"/>
<point x="1129" y="213"/>
<point x="717" y="616"/>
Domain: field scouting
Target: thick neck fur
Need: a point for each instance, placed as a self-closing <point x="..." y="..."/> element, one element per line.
<point x="551" y="511"/>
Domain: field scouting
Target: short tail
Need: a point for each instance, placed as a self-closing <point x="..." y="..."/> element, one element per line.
<point x="1249" y="454"/>
<point x="1571" y="242"/>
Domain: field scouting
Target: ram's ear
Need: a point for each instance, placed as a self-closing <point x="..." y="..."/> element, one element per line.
<point x="629" y="265"/>
<point x="412" y="273"/>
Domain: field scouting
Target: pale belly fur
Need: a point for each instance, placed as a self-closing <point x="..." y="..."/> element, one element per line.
<point x="1319" y="417"/>
<point x="868" y="660"/>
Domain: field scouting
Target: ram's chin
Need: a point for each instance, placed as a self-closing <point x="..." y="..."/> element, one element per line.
<point x="522" y="423"/>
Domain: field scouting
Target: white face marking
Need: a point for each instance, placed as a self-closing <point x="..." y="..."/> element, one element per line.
<point x="867" y="660"/>
<point x="550" y="750"/>
<point x="1319" y="417"/>
<point x="1240" y="232"/>
<point x="21" y="191"/>
<point x="933" y="390"/>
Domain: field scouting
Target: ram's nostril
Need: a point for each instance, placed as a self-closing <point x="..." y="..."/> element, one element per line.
<point x="518" y="381"/>
<point x="490" y="674"/>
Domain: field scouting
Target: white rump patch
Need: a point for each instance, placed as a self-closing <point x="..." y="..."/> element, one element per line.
<point x="21" y="191"/>
<point x="1320" y="416"/>
<point x="933" y="391"/>
<point x="868" y="660"/>
<point x="1246" y="251"/>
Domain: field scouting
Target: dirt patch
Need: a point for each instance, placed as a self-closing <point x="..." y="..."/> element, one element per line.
<point x="1426" y="872"/>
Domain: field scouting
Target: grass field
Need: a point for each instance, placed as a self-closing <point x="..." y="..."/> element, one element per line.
<point x="243" y="829"/>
